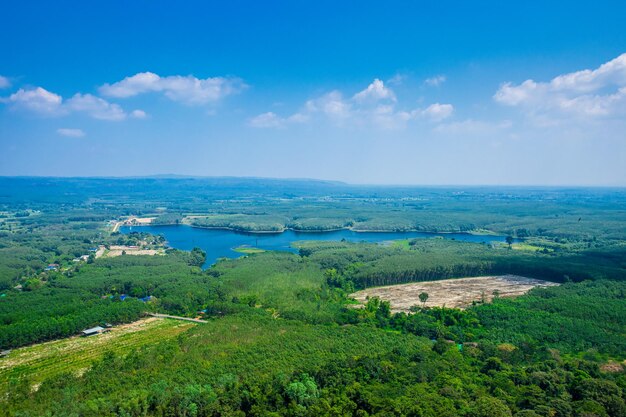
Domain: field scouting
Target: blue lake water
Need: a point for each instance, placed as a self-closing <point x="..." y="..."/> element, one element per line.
<point x="220" y="243"/>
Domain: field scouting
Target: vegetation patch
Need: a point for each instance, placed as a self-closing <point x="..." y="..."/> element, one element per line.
<point x="248" y="250"/>
<point x="75" y="354"/>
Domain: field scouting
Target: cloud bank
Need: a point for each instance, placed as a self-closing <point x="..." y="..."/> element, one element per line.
<point x="184" y="89"/>
<point x="581" y="95"/>
<point x="43" y="102"/>
<point x="374" y="105"/>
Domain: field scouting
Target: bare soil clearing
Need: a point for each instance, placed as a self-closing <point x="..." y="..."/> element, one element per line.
<point x="131" y="221"/>
<point x="129" y="250"/>
<point x="119" y="250"/>
<point x="454" y="293"/>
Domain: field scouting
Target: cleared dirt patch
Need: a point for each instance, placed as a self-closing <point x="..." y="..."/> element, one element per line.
<point x="612" y="367"/>
<point x="454" y="293"/>
<point x="138" y="221"/>
<point x="119" y="250"/>
<point x="132" y="251"/>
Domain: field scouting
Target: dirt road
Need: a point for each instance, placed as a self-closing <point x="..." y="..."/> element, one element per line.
<point x="167" y="316"/>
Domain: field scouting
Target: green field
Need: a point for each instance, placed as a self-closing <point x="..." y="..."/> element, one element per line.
<point x="248" y="250"/>
<point x="76" y="354"/>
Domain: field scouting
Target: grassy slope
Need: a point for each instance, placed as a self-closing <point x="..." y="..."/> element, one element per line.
<point x="45" y="360"/>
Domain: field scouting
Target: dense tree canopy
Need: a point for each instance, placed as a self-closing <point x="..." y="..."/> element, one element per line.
<point x="282" y="336"/>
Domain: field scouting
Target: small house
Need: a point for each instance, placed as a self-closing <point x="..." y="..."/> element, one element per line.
<point x="93" y="331"/>
<point x="146" y="299"/>
<point x="5" y="353"/>
<point x="52" y="267"/>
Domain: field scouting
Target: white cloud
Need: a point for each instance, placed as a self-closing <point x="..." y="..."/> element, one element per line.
<point x="185" y="89"/>
<point x="138" y="114"/>
<point x="373" y="106"/>
<point x="374" y="92"/>
<point x="580" y="95"/>
<point x="265" y="120"/>
<point x="71" y="133"/>
<point x="610" y="73"/>
<point x="435" y="81"/>
<point x="38" y="100"/>
<point x="386" y="117"/>
<point x="513" y="95"/>
<point x="298" y="118"/>
<point x="44" y="102"/>
<point x="131" y="86"/>
<point x="272" y="120"/>
<point x="95" y="107"/>
<point x="437" y="112"/>
<point x="4" y="82"/>
<point x="331" y="104"/>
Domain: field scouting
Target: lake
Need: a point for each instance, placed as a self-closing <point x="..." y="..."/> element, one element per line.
<point x="218" y="243"/>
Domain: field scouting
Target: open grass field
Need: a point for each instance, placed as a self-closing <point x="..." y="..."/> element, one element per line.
<point x="527" y="247"/>
<point x="248" y="250"/>
<point x="75" y="354"/>
<point x="452" y="293"/>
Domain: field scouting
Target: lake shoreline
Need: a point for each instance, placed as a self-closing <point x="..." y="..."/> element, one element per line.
<point x="276" y="232"/>
<point x="219" y="242"/>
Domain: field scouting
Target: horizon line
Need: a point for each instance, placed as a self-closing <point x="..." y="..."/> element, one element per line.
<point x="295" y="179"/>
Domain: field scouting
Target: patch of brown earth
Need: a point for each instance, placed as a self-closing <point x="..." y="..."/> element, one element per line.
<point x="453" y="293"/>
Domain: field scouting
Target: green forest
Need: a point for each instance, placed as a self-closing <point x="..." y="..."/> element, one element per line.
<point x="282" y="336"/>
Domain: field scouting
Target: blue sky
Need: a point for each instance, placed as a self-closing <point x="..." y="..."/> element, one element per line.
<point x="364" y="92"/>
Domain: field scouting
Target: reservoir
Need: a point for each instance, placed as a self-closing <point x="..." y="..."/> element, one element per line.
<point x="218" y="243"/>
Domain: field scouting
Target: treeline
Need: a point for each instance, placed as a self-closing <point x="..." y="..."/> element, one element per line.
<point x="65" y="315"/>
<point x="108" y="291"/>
<point x="241" y="222"/>
<point x="168" y="218"/>
<point x="366" y="265"/>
